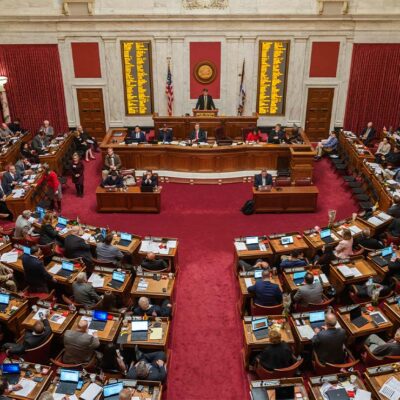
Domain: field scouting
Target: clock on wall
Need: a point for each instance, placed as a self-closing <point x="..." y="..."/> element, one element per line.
<point x="205" y="72"/>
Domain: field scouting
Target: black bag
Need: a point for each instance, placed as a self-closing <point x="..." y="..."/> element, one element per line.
<point x="248" y="207"/>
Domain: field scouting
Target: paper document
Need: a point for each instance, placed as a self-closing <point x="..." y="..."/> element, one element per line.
<point x="164" y="250"/>
<point x="171" y="244"/>
<point x="362" y="395"/>
<point x="91" y="392"/>
<point x="96" y="280"/>
<point x="262" y="247"/>
<point x="324" y="279"/>
<point x="143" y="284"/>
<point x="138" y="326"/>
<point x="374" y="221"/>
<point x="27" y="387"/>
<point x="149" y="246"/>
<point x="240" y="246"/>
<point x="391" y="389"/>
<point x="86" y="236"/>
<point x="345" y="270"/>
<point x="384" y="216"/>
<point x="10" y="257"/>
<point x="55" y="269"/>
<point x="41" y="310"/>
<point x="306" y="331"/>
<point x="248" y="282"/>
<point x="354" y="229"/>
<point x="355" y="272"/>
<point x="156" y="334"/>
<point x="57" y="319"/>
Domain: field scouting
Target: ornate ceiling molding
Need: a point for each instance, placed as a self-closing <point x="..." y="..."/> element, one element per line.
<point x="205" y="4"/>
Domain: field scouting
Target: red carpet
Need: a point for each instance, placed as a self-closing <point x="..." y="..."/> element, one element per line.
<point x="206" y="334"/>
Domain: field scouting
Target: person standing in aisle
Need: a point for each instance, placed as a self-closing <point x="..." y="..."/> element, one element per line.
<point x="77" y="174"/>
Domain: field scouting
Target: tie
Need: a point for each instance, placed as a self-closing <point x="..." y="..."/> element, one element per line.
<point x="205" y="102"/>
<point x="112" y="160"/>
<point x="197" y="135"/>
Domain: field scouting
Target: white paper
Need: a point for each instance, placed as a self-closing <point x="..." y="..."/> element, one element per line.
<point x="139" y="326"/>
<point x="27" y="387"/>
<point x="148" y="246"/>
<point x="248" y="282"/>
<point x="384" y="216"/>
<point x="240" y="246"/>
<point x="171" y="244"/>
<point x="91" y="331"/>
<point x="345" y="270"/>
<point x="356" y="273"/>
<point x="354" y="229"/>
<point x="362" y="395"/>
<point x="262" y="247"/>
<point x="306" y="331"/>
<point x="374" y="221"/>
<point x="324" y="279"/>
<point x="40" y="310"/>
<point x="382" y="316"/>
<point x="164" y="251"/>
<point x="391" y="389"/>
<point x="96" y="280"/>
<point x="91" y="392"/>
<point x="55" y="269"/>
<point x="86" y="236"/>
<point x="57" y="319"/>
<point x="61" y="396"/>
<point x="10" y="257"/>
<point x="86" y="318"/>
<point x="18" y="193"/>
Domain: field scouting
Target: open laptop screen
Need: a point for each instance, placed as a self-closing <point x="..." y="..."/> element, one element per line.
<point x="69" y="375"/>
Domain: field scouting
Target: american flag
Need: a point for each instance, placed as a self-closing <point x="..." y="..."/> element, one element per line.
<point x="242" y="92"/>
<point x="169" y="90"/>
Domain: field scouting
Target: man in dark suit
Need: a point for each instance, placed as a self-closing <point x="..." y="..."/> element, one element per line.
<point x="197" y="135"/>
<point x="32" y="338"/>
<point x="205" y="101"/>
<point x="39" y="143"/>
<point x="150" y="366"/>
<point x="329" y="342"/>
<point x="137" y="136"/>
<point x="76" y="247"/>
<point x="113" y="180"/>
<point x="263" y="179"/>
<point x="144" y="307"/>
<point x="36" y="275"/>
<point x="4" y="211"/>
<point x="152" y="264"/>
<point x="165" y="134"/>
<point x="368" y="133"/>
<point x="15" y="126"/>
<point x="149" y="179"/>
<point x="265" y="292"/>
<point x="367" y="241"/>
<point x="10" y="179"/>
<point x="277" y="135"/>
<point x="394" y="210"/>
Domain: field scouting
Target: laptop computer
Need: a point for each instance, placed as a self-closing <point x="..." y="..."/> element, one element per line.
<point x="40" y="212"/>
<point x="266" y="188"/>
<point x="337" y="394"/>
<point x="26" y="250"/>
<point x="287" y="240"/>
<point x="146" y="189"/>
<point x="125" y="240"/>
<point x="384" y="258"/>
<point x="317" y="319"/>
<point x="67" y="269"/>
<point x="356" y="317"/>
<point x="99" y="320"/>
<point x="12" y="372"/>
<point x="4" y="301"/>
<point x="68" y="382"/>
<point x="325" y="235"/>
<point x="258" y="274"/>
<point x="111" y="392"/>
<point x="62" y="223"/>
<point x="298" y="277"/>
<point x="118" y="279"/>
<point x="260" y="328"/>
<point x="139" y="330"/>
<point x="252" y="243"/>
<point x="285" y="393"/>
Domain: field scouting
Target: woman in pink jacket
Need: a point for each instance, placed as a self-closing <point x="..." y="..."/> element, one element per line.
<point x="345" y="247"/>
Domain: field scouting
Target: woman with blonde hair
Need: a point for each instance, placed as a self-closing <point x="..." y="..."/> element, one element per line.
<point x="48" y="233"/>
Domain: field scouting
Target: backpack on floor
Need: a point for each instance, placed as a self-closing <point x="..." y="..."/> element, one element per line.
<point x="248" y="207"/>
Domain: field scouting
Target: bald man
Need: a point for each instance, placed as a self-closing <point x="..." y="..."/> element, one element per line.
<point x="76" y="247"/>
<point x="125" y="394"/>
<point x="79" y="345"/>
<point x="150" y="263"/>
<point x="329" y="341"/>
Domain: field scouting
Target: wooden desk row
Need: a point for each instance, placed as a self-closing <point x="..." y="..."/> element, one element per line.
<point x="9" y="153"/>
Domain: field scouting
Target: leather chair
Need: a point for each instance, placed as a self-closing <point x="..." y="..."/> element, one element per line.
<point x="70" y="301"/>
<point x="100" y="263"/>
<point x="328" y="368"/>
<point x="47" y="249"/>
<point x="33" y="297"/>
<point x="256" y="309"/>
<point x="315" y="307"/>
<point x="40" y="354"/>
<point x="57" y="362"/>
<point x="283" y="181"/>
<point x="303" y="182"/>
<point x="373" y="361"/>
<point x="358" y="300"/>
<point x="278" y="373"/>
<point x="168" y="269"/>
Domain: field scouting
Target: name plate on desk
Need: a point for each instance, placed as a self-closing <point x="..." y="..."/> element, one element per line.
<point x="269" y="383"/>
<point x="205" y="113"/>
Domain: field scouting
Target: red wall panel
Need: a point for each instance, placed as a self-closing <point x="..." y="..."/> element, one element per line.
<point x="324" y="59"/>
<point x="205" y="51"/>
<point x="86" y="60"/>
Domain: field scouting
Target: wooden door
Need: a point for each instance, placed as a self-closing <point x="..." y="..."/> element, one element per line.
<point x="91" y="111"/>
<point x="319" y="112"/>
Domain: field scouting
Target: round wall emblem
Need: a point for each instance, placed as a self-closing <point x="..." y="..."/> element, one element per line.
<point x="205" y="72"/>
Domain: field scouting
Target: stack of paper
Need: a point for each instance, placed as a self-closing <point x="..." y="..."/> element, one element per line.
<point x="96" y="280"/>
<point x="391" y="389"/>
<point x="345" y="270"/>
<point x="91" y="392"/>
<point x="374" y="221"/>
<point x="354" y="229"/>
<point x="383" y="216"/>
<point x="10" y="257"/>
<point x="306" y="331"/>
<point x="143" y="285"/>
<point x="355" y="272"/>
<point x="156" y="334"/>
<point x="27" y="387"/>
<point x="248" y="282"/>
<point x="149" y="246"/>
<point x="18" y="193"/>
<point x="240" y="246"/>
<point x="55" y="269"/>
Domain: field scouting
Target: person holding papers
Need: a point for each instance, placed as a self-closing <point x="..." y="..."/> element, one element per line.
<point x="149" y="366"/>
<point x="6" y="389"/>
<point x="197" y="135"/>
<point x="151" y="263"/>
<point x="344" y="249"/>
<point x="10" y="179"/>
<point x="107" y="252"/>
<point x="32" y="338"/>
<point x="311" y="292"/>
<point x="265" y="292"/>
<point x="262" y="179"/>
<point x="84" y="292"/>
<point x="329" y="341"/>
<point x="79" y="345"/>
<point x="380" y="348"/>
<point x="36" y="275"/>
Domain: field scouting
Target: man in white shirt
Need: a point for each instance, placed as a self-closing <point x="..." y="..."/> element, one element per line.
<point x="23" y="224"/>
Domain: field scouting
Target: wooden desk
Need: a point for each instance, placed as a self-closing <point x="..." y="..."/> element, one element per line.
<point x="107" y="276"/>
<point x="279" y="249"/>
<point x="209" y="158"/>
<point x="288" y="281"/>
<point x="336" y="381"/>
<point x="161" y="289"/>
<point x="381" y="271"/>
<point x="376" y="229"/>
<point x="286" y="199"/>
<point x="110" y="331"/>
<point x="9" y="154"/>
<point x="366" y="330"/>
<point x="15" y="313"/>
<point x="268" y="387"/>
<point x="39" y="387"/>
<point x="144" y="394"/>
<point x="252" y="344"/>
<point x="314" y="241"/>
<point x="61" y="311"/>
<point x="159" y="245"/>
<point x="130" y="199"/>
<point x="339" y="281"/>
<point x="66" y="281"/>
<point x="356" y="227"/>
<point x="86" y="382"/>
<point x="57" y="153"/>
<point x="33" y="195"/>
<point x="392" y="309"/>
<point x="376" y="377"/>
<point x="125" y="338"/>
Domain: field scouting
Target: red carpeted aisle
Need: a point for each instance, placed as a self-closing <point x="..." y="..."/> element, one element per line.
<point x="206" y="333"/>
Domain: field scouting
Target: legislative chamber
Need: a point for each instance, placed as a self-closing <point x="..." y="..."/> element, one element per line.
<point x="199" y="199"/>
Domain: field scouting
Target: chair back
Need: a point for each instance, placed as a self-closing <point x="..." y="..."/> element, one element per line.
<point x="57" y="362"/>
<point x="47" y="249"/>
<point x="314" y="306"/>
<point x="303" y="182"/>
<point x="33" y="297"/>
<point x="371" y="360"/>
<point x="329" y="368"/>
<point x="40" y="354"/>
<point x="256" y="309"/>
<point x="283" y="181"/>
<point x="288" y="372"/>
<point x="101" y="263"/>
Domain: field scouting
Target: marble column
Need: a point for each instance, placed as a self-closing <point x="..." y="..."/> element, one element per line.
<point x="178" y="79"/>
<point x="160" y="63"/>
<point x="231" y="65"/>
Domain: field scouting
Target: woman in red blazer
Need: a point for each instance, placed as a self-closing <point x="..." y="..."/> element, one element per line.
<point x="54" y="193"/>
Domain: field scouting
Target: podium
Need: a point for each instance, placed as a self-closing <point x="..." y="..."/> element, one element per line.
<point x="205" y="113"/>
<point x="301" y="162"/>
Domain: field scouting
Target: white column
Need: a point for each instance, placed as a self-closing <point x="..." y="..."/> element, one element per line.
<point x="231" y="64"/>
<point x="178" y="78"/>
<point x="114" y="77"/>
<point x="250" y="53"/>
<point x="160" y="74"/>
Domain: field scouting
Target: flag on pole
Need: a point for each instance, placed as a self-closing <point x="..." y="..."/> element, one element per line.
<point x="242" y="92"/>
<point x="169" y="90"/>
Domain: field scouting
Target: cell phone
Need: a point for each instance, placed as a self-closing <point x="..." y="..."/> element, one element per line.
<point x="80" y="384"/>
<point x="37" y="379"/>
<point x="139" y="388"/>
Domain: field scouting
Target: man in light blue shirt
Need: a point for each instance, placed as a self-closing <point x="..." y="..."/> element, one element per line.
<point x="326" y="145"/>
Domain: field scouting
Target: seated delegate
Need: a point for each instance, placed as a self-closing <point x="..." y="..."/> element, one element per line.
<point x="295" y="259"/>
<point x="265" y="292"/>
<point x="136" y="136"/>
<point x="197" y="135"/>
<point x="144" y="307"/>
<point x="151" y="263"/>
<point x="380" y="348"/>
<point x="310" y="292"/>
<point x="149" y="179"/>
<point x="263" y="179"/>
<point x="113" y="180"/>
<point x="149" y="367"/>
<point x="165" y="134"/>
<point x="326" y="145"/>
